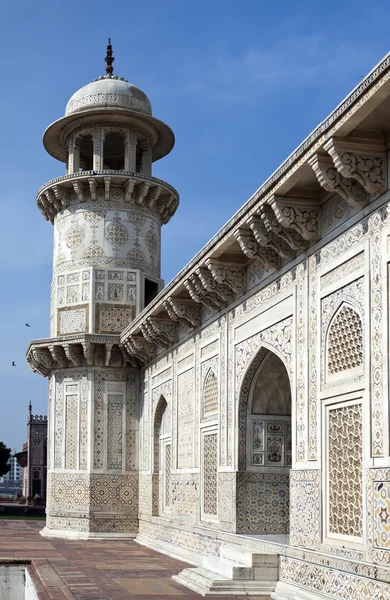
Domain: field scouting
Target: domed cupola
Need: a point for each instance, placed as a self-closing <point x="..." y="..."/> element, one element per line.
<point x="106" y="97"/>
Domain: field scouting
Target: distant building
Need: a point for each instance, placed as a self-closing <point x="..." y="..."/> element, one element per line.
<point x="33" y="458"/>
<point x="15" y="472"/>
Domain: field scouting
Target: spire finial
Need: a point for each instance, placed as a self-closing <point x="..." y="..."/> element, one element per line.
<point x="109" y="60"/>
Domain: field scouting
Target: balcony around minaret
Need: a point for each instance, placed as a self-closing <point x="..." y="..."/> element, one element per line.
<point x="131" y="189"/>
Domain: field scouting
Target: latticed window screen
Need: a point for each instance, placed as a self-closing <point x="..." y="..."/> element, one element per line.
<point x="345" y="341"/>
<point x="210" y="404"/>
<point x="210" y="467"/>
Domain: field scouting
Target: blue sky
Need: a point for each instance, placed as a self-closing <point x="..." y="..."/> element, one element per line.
<point x="241" y="85"/>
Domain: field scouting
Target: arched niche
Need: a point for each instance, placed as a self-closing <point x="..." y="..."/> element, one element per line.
<point x="264" y="446"/>
<point x="162" y="457"/>
<point x="269" y="416"/>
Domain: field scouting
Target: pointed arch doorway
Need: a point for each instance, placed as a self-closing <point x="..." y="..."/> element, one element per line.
<point x="264" y="447"/>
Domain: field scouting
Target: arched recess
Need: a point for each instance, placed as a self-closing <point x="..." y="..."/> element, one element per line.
<point x="344" y="348"/>
<point x="162" y="458"/>
<point x="264" y="446"/>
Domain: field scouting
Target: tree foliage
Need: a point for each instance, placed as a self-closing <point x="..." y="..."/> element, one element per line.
<point x="5" y="454"/>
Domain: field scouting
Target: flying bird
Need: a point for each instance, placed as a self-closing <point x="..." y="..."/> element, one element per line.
<point x="27" y="325"/>
<point x="13" y="364"/>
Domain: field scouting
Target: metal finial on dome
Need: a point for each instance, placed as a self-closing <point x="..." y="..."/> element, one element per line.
<point x="109" y="59"/>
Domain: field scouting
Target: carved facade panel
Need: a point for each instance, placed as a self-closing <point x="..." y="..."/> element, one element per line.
<point x="305" y="512"/>
<point x="210" y="468"/>
<point x="72" y="320"/>
<point x="345" y="478"/>
<point x="185" y="419"/>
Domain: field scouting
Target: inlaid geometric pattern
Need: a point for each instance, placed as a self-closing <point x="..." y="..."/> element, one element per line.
<point x="74" y="236"/>
<point x="185" y="430"/>
<point x="382" y="515"/>
<point x="72" y="321"/>
<point x="210" y="467"/>
<point x="114" y="431"/>
<point x="262" y="502"/>
<point x="71" y="435"/>
<point x="113" y="320"/>
<point x="345" y="471"/>
<point x="167" y="475"/>
<point x="116" y="234"/>
<point x="210" y="392"/>
<point x="345" y="341"/>
<point x="305" y="515"/>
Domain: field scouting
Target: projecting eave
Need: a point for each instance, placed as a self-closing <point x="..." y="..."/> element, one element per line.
<point x="161" y="136"/>
<point x="346" y="155"/>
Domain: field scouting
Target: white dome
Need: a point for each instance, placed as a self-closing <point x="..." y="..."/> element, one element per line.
<point x="109" y="93"/>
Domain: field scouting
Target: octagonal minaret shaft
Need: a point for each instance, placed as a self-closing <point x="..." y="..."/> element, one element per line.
<point x="107" y="212"/>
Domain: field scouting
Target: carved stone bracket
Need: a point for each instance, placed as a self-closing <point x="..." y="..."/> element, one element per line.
<point x="229" y="274"/>
<point x="138" y="189"/>
<point x="249" y="246"/>
<point x="331" y="180"/>
<point x="73" y="353"/>
<point x="44" y="356"/>
<point x="199" y="293"/>
<point x="183" y="310"/>
<point x="59" y="356"/>
<point x="158" y="330"/>
<point x="78" y="190"/>
<point x="363" y="161"/>
<point x="268" y="239"/>
<point x="299" y="214"/>
<point x="141" y="348"/>
<point x="221" y="290"/>
<point x="290" y="236"/>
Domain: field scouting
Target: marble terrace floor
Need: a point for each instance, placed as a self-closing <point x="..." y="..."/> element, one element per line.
<point x="92" y="570"/>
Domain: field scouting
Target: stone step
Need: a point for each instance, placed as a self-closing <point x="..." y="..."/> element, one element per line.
<point x="227" y="568"/>
<point x="247" y="557"/>
<point x="208" y="583"/>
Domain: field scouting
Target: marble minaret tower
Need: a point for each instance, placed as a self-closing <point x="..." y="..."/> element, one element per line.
<point x="107" y="212"/>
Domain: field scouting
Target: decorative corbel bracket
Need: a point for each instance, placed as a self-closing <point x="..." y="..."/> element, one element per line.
<point x="162" y="331"/>
<point x="363" y="161"/>
<point x="73" y="353"/>
<point x="138" y="346"/>
<point x="331" y="180"/>
<point x="59" y="356"/>
<point x="290" y="236"/>
<point x="153" y="196"/>
<point x="230" y="274"/>
<point x="267" y="239"/>
<point x="211" y="286"/>
<point x="92" y="187"/>
<point x="142" y="192"/>
<point x="78" y="190"/>
<point x="129" y="187"/>
<point x="183" y="310"/>
<point x="199" y="294"/>
<point x="107" y="186"/>
<point x="297" y="213"/>
<point x="249" y="246"/>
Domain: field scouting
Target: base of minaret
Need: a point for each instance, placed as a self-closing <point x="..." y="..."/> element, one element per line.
<point x="92" y="505"/>
<point x="93" y="477"/>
